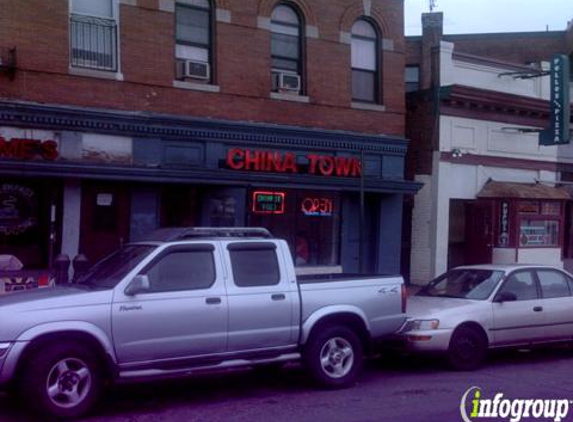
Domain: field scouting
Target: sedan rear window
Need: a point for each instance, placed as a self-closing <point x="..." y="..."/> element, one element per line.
<point x="463" y="284"/>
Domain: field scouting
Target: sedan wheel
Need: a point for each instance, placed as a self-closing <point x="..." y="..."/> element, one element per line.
<point x="467" y="349"/>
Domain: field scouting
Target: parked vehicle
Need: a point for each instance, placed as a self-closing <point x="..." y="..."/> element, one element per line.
<point x="184" y="301"/>
<point x="469" y="309"/>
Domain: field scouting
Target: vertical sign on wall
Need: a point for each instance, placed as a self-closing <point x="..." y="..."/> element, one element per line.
<point x="558" y="132"/>
<point x="503" y="240"/>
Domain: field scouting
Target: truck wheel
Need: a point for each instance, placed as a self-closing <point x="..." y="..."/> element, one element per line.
<point x="467" y="349"/>
<point x="334" y="357"/>
<point x="62" y="380"/>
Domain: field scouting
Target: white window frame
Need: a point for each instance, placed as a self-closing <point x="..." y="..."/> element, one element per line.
<point x="97" y="73"/>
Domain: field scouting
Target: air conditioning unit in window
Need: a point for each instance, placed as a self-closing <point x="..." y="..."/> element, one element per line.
<point x="287" y="81"/>
<point x="196" y="69"/>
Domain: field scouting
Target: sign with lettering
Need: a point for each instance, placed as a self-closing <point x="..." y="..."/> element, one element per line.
<point x="17" y="209"/>
<point x="27" y="149"/>
<point x="278" y="162"/>
<point x="268" y="202"/>
<point x="315" y="206"/>
<point x="503" y="240"/>
<point x="558" y="132"/>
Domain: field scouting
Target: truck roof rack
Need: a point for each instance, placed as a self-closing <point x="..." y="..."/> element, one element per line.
<point x="181" y="233"/>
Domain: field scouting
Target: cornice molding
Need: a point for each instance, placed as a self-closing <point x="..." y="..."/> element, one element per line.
<point x="139" y="124"/>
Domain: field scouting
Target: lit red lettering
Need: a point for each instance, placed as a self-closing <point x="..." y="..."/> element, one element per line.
<point x="235" y="159"/>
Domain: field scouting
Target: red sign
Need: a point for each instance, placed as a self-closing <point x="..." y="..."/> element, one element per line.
<point x="317" y="206"/>
<point x="268" y="202"/>
<point x="26" y="149"/>
<point x="272" y="161"/>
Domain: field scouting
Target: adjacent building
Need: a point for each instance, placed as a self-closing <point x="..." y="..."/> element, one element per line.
<point x="492" y="193"/>
<point x="118" y="117"/>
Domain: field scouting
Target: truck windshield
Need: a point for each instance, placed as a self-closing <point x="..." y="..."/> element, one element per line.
<point x="111" y="269"/>
<point x="463" y="284"/>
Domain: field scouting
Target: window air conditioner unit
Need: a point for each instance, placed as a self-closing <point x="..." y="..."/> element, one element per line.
<point x="197" y="70"/>
<point x="288" y="82"/>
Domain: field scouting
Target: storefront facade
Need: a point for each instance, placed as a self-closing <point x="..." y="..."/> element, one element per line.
<point x="86" y="181"/>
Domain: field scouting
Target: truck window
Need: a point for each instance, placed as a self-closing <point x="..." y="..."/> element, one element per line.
<point x="254" y="264"/>
<point x="182" y="270"/>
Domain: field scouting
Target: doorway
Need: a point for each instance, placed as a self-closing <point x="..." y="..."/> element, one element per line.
<point x="104" y="223"/>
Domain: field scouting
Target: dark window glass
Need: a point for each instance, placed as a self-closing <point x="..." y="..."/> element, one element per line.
<point x="310" y="223"/>
<point x="522" y="285"/>
<point x="553" y="284"/>
<point x="194" y="38"/>
<point x="286" y="55"/>
<point x="193" y="25"/>
<point x="285" y="64"/>
<point x="111" y="270"/>
<point x="285" y="46"/>
<point x="364" y="60"/>
<point x="363" y="85"/>
<point x="255" y="267"/>
<point x="183" y="270"/>
<point x="463" y="283"/>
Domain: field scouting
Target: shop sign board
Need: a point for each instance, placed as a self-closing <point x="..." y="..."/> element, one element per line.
<point x="558" y="131"/>
<point x="315" y="206"/>
<point x="27" y="149"/>
<point x="265" y="202"/>
<point x="504" y="224"/>
<point x="279" y="162"/>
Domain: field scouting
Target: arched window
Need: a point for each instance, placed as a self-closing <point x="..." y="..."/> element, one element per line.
<point x="194" y="39"/>
<point x="286" y="49"/>
<point x="365" y="62"/>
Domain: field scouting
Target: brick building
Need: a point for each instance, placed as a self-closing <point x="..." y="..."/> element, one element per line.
<point x="492" y="193"/>
<point x="121" y="116"/>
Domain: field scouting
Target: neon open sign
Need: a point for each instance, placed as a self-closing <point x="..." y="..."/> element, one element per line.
<point x="317" y="206"/>
<point x="268" y="202"/>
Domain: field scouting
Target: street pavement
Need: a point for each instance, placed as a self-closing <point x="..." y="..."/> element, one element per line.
<point x="403" y="388"/>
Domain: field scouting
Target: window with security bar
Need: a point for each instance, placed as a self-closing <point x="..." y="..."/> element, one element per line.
<point x="93" y="35"/>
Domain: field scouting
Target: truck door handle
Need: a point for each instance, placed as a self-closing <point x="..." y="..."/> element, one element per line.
<point x="538" y="309"/>
<point x="213" y="300"/>
<point x="279" y="296"/>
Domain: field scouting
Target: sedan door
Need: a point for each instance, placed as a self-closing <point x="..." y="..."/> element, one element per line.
<point x="520" y="320"/>
<point x="557" y="304"/>
<point x="184" y="313"/>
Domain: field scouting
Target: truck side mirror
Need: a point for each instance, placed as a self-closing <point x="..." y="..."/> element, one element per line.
<point x="505" y="297"/>
<point x="139" y="284"/>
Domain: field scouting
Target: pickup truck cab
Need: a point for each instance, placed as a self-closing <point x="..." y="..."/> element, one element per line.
<point x="184" y="301"/>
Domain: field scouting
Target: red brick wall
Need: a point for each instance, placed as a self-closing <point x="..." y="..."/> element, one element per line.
<point x="39" y="30"/>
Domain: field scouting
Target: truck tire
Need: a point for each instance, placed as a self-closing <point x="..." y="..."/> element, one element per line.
<point x="467" y="349"/>
<point x="61" y="380"/>
<point x="334" y="356"/>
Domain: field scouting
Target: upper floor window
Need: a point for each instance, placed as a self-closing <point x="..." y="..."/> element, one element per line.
<point x="194" y="40"/>
<point x="365" y="62"/>
<point x="93" y="35"/>
<point x="286" y="49"/>
<point x="412" y="77"/>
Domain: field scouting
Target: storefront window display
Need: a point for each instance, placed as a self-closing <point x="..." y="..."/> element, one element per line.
<point x="27" y="211"/>
<point x="539" y="223"/>
<point x="308" y="220"/>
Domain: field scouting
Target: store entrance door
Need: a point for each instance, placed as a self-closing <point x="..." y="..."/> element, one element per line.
<point x="104" y="220"/>
<point x="479" y="232"/>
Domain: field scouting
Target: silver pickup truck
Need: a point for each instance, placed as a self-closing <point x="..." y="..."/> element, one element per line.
<point x="189" y="300"/>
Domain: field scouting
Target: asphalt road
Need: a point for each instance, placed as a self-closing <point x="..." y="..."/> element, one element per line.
<point x="398" y="389"/>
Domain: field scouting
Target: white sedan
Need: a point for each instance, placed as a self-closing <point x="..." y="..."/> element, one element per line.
<point x="469" y="309"/>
